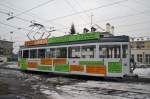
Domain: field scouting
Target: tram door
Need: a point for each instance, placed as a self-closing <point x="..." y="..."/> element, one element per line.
<point x="113" y="57"/>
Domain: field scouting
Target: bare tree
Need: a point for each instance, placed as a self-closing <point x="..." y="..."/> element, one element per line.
<point x="72" y="29"/>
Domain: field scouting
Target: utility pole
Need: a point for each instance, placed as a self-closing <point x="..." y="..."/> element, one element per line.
<point x="91" y="19"/>
<point x="11" y="33"/>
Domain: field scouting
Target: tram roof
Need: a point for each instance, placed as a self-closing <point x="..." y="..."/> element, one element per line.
<point x="93" y="37"/>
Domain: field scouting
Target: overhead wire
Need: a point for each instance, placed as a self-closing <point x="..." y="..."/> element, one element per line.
<point x="132" y="30"/>
<point x="23" y="19"/>
<point x="128" y="7"/>
<point x="114" y="18"/>
<point x="15" y="27"/>
<point x="126" y="16"/>
<point x="141" y="3"/>
<point x="42" y="4"/>
<point x="127" y="25"/>
<point x="92" y="9"/>
<point x="64" y="28"/>
<point x="73" y="9"/>
<point x="120" y="17"/>
<point x="20" y="10"/>
<point x="4" y="13"/>
<point x="26" y="20"/>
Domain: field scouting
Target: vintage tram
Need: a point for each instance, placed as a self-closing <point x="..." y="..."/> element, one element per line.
<point x="93" y="54"/>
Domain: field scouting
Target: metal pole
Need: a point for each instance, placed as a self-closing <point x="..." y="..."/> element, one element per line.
<point x="91" y="19"/>
<point x="11" y="35"/>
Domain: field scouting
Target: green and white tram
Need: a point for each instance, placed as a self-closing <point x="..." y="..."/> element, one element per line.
<point x="94" y="54"/>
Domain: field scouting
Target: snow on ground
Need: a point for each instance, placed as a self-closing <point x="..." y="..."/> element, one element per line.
<point x="12" y="65"/>
<point x="88" y="89"/>
<point x="143" y="72"/>
<point x="100" y="90"/>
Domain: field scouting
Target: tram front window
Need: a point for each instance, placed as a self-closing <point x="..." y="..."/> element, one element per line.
<point x="109" y="51"/>
<point x="20" y="54"/>
<point x="25" y="53"/>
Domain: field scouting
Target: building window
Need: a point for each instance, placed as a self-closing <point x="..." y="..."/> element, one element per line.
<point x="147" y="58"/>
<point x="132" y="56"/>
<point x="139" y="58"/>
<point x="1" y="51"/>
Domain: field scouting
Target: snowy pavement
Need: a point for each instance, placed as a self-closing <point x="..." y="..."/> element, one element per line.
<point x="12" y="65"/>
<point x="63" y="88"/>
<point x="99" y="90"/>
<point x="142" y="72"/>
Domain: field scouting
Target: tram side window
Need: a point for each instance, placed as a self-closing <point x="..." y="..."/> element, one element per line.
<point x="61" y="52"/>
<point x="33" y="53"/>
<point x="50" y="53"/>
<point x="47" y="53"/>
<point x="124" y="51"/>
<point x="109" y="51"/>
<point x="88" y="51"/>
<point x="74" y="52"/>
<point x="26" y="54"/>
<point x="41" y="53"/>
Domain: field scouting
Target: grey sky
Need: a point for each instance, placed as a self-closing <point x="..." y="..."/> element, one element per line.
<point x="129" y="17"/>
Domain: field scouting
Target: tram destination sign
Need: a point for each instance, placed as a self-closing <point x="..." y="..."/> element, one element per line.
<point x="36" y="42"/>
<point x="79" y="37"/>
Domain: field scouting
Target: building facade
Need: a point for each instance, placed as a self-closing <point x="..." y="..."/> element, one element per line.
<point x="140" y="51"/>
<point x="6" y="50"/>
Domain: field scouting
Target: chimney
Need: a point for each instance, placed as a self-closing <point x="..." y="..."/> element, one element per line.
<point x="108" y="27"/>
<point x="85" y="30"/>
<point x="93" y="29"/>
<point x="112" y="29"/>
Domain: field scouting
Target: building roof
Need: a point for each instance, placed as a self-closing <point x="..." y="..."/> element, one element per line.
<point x="6" y="41"/>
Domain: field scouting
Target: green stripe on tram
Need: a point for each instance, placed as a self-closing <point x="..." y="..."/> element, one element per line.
<point x="114" y="67"/>
<point x="61" y="67"/>
<point x="91" y="62"/>
<point x="47" y="68"/>
<point x="23" y="63"/>
<point x="79" y="37"/>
